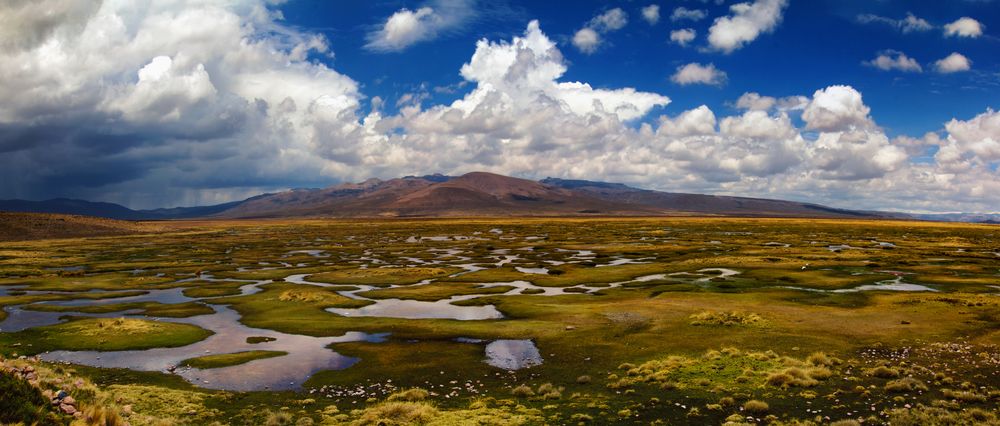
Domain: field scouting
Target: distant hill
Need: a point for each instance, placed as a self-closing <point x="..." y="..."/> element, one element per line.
<point x="36" y="226"/>
<point x="473" y="194"/>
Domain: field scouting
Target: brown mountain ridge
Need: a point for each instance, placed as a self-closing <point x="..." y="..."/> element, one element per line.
<point x="488" y="194"/>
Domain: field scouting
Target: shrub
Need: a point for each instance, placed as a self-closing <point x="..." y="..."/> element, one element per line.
<point x="756" y="407"/>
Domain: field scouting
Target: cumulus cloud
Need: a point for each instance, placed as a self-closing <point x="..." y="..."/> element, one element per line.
<point x="955" y="62"/>
<point x="752" y="101"/>
<point x="695" y="73"/>
<point x="835" y="109"/>
<point x="746" y="22"/>
<point x="588" y="39"/>
<point x="194" y="102"/>
<point x="964" y="27"/>
<point x="683" y="36"/>
<point x="970" y="144"/>
<point x="893" y="60"/>
<point x="406" y="27"/>
<point x="612" y="20"/>
<point x="651" y="14"/>
<point x="908" y="24"/>
<point x="682" y="13"/>
<point x="171" y="103"/>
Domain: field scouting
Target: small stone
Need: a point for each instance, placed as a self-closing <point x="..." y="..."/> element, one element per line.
<point x="68" y="409"/>
<point x="904" y="322"/>
<point x="570" y="327"/>
<point x="69" y="400"/>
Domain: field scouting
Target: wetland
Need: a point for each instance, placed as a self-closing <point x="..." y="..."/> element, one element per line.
<point x="512" y="321"/>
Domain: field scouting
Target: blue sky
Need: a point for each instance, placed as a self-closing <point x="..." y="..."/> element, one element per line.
<point x="818" y="43"/>
<point x="877" y="104"/>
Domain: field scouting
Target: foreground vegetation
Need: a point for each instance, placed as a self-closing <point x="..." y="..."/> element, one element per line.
<point x="672" y="321"/>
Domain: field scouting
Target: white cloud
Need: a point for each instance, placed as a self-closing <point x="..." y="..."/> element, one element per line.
<point x="955" y="62"/>
<point x="972" y="143"/>
<point x="746" y="22"/>
<point x="964" y="27"/>
<point x="651" y="14"/>
<point x="682" y="13"/>
<point x="586" y="40"/>
<point x="193" y="102"/>
<point x="893" y="60"/>
<point x="612" y="20"/>
<point x="835" y="109"/>
<point x="695" y="73"/>
<point x="755" y="102"/>
<point x="407" y="27"/>
<point x="909" y="24"/>
<point x="683" y="36"/>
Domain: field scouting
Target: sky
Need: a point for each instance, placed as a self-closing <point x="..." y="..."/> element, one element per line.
<point x="863" y="104"/>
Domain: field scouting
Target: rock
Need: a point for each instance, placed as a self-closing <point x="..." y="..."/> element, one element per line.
<point x="69" y="400"/>
<point x="68" y="409"/>
<point x="570" y="327"/>
<point x="127" y="410"/>
<point x="904" y="322"/>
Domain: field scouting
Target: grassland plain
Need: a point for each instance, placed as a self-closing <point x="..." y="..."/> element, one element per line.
<point x="636" y="321"/>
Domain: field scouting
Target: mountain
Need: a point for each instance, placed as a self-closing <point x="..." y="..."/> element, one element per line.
<point x="111" y="210"/>
<point x="703" y="204"/>
<point x="473" y="194"/>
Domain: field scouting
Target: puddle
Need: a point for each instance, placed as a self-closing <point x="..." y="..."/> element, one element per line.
<point x="416" y="309"/>
<point x="306" y="355"/>
<point x="537" y="271"/>
<point x="313" y="253"/>
<point x="512" y="354"/>
<point x="895" y="284"/>
<point x="67" y="268"/>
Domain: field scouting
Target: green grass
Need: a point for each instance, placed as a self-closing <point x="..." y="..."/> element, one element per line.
<point x="152" y="309"/>
<point x="107" y="334"/>
<point x="434" y="291"/>
<point x="227" y="360"/>
<point x="22" y="403"/>
<point x="381" y="276"/>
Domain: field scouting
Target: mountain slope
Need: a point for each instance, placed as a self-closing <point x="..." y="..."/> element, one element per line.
<point x="703" y="204"/>
<point x="473" y="194"/>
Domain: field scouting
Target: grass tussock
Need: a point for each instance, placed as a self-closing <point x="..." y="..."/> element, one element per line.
<point x="756" y="407"/>
<point x="629" y="322"/>
<point x="395" y="413"/>
<point x="411" y="395"/>
<point x="904" y="385"/>
<point x="727" y="319"/>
